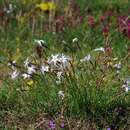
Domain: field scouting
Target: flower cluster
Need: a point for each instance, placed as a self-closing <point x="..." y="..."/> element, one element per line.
<point x="57" y="64"/>
<point x="105" y="21"/>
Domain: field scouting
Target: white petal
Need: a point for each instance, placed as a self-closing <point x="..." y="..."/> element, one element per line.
<point x="75" y="40"/>
<point x="15" y="74"/>
<point x="86" y="58"/>
<point x="100" y="49"/>
<point x="26" y="76"/>
<point x="61" y="94"/>
<point x="44" y="68"/>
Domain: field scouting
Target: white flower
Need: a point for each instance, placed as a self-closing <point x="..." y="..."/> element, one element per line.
<point x="61" y="94"/>
<point x="15" y="74"/>
<point x="86" y="58"/>
<point x="126" y="85"/>
<point x="127" y="81"/>
<point x="126" y="88"/>
<point x="44" y="68"/>
<point x="31" y="69"/>
<point x="26" y="62"/>
<point x="59" y="75"/>
<point x="75" y="40"/>
<point x="26" y="76"/>
<point x="12" y="64"/>
<point x="118" y="66"/>
<point x="10" y="8"/>
<point x="100" y="49"/>
<point x="59" y="62"/>
<point x="40" y="42"/>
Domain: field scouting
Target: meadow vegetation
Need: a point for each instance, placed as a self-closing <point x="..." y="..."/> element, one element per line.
<point x="64" y="64"/>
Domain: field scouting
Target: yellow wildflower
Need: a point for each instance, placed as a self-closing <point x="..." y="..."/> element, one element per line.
<point x="30" y="82"/>
<point x="52" y="6"/>
<point x="45" y="6"/>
